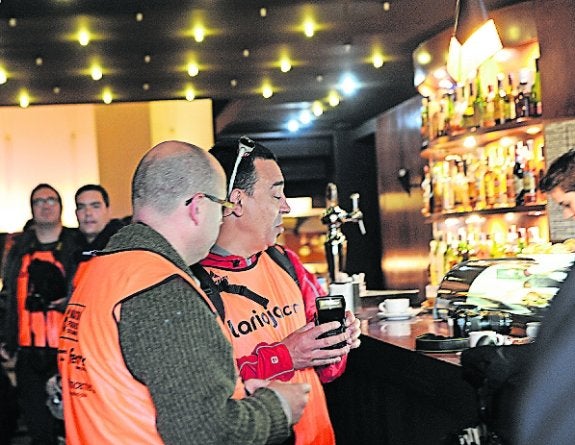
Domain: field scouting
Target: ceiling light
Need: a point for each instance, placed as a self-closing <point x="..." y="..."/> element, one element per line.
<point x="96" y="72"/>
<point x="377" y="60"/>
<point x="386" y="6"/>
<point x="263" y="12"/>
<point x="234" y="83"/>
<point x="83" y="37"/>
<point x="348" y="84"/>
<point x="309" y="28"/>
<point x="3" y="76"/>
<point x="146" y="86"/>
<point x="107" y="96"/>
<point x="12" y="22"/>
<point x="199" y="33"/>
<point x="147" y="58"/>
<point x="479" y="36"/>
<point x="39" y="61"/>
<point x="333" y="99"/>
<point x="267" y="91"/>
<point x="293" y="125"/>
<point x="24" y="99"/>
<point x="285" y="65"/>
<point x="423" y="58"/>
<point x="347" y="47"/>
<point x="190" y="94"/>
<point x="246" y="52"/>
<point x="56" y="90"/>
<point x="319" y="78"/>
<point x="305" y="117"/>
<point x="139" y="17"/>
<point x="193" y="69"/>
<point x="317" y="108"/>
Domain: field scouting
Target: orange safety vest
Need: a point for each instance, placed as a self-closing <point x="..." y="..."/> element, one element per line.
<point x="250" y="323"/>
<point x="36" y="329"/>
<point x="94" y="374"/>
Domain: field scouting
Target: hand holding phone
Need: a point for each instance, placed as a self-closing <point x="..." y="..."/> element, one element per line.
<point x="331" y="308"/>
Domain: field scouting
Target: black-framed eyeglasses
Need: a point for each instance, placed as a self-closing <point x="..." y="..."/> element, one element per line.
<point x="224" y="203"/>
<point x="245" y="147"/>
<point x="51" y="201"/>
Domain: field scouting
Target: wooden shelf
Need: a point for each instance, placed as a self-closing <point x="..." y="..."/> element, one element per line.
<point x="537" y="210"/>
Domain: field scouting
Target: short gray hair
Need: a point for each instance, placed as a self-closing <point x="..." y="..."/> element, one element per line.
<point x="171" y="172"/>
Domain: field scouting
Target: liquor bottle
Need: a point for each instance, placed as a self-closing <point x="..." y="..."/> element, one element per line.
<point x="500" y="102"/>
<point x="483" y="248"/>
<point x="480" y="173"/>
<point x="518" y="173"/>
<point x="536" y="104"/>
<point x="510" y="179"/>
<point x="460" y="189"/>
<point x="427" y="191"/>
<point x="448" y="191"/>
<point x="425" y="123"/>
<point x="460" y="104"/>
<point x="511" y="93"/>
<point x="462" y="246"/>
<point x="472" y="191"/>
<point x="469" y="118"/>
<point x="437" y="187"/>
<point x="529" y="184"/>
<point x="522" y="98"/>
<point x="489" y="185"/>
<point x="479" y="103"/>
<point x="489" y="115"/>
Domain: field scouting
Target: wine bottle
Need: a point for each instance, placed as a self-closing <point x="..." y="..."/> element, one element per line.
<point x="536" y="104"/>
<point x="500" y="102"/>
<point x="510" y="96"/>
<point x="469" y="118"/>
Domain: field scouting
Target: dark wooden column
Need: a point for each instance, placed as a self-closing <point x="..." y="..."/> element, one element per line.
<point x="555" y="21"/>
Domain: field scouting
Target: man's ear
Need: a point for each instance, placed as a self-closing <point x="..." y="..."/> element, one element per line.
<point x="194" y="210"/>
<point x="236" y="199"/>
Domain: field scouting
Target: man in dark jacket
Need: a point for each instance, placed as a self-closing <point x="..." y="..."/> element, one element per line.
<point x="93" y="213"/>
<point x="38" y="270"/>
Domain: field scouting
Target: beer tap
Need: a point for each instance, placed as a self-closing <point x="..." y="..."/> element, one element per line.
<point x="334" y="217"/>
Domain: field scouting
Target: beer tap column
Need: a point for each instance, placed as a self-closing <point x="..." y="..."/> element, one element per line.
<point x="334" y="217"/>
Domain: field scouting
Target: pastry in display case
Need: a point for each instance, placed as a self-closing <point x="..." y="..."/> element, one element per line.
<point x="521" y="287"/>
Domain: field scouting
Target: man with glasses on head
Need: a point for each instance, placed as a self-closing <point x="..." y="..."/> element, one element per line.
<point x="143" y="355"/>
<point x="268" y="305"/>
<point x="38" y="270"/>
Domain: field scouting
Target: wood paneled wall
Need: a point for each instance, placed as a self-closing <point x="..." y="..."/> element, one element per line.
<point x="404" y="234"/>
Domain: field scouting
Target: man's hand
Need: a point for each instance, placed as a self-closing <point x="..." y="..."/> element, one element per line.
<point x="305" y="347"/>
<point x="295" y="394"/>
<point x="353" y="329"/>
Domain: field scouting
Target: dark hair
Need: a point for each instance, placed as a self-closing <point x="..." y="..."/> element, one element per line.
<point x="43" y="185"/>
<point x="94" y="188"/>
<point x="561" y="173"/>
<point x="226" y="152"/>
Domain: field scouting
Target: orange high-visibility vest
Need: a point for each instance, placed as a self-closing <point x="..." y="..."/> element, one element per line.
<point x="103" y="403"/>
<point x="36" y="329"/>
<point x="250" y="323"/>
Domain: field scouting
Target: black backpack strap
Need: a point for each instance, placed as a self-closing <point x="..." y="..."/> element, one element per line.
<point x="210" y="288"/>
<point x="279" y="255"/>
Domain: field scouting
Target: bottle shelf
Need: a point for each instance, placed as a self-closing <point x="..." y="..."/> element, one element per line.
<point x="535" y="210"/>
<point x="456" y="144"/>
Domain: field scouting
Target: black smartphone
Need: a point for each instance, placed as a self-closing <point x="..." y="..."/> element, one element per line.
<point x="331" y="308"/>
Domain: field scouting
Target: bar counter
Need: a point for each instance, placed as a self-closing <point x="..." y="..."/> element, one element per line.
<point x="391" y="394"/>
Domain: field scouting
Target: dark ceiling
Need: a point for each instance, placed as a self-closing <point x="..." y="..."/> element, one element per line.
<point x="144" y="47"/>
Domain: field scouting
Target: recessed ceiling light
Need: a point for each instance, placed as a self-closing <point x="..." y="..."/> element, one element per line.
<point x="377" y="60"/>
<point x="193" y="69"/>
<point x="263" y="12"/>
<point x="386" y="6"/>
<point x="267" y="91"/>
<point x="293" y="125"/>
<point x="348" y="84"/>
<point x="234" y="83"/>
<point x="39" y="61"/>
<point x="333" y="99"/>
<point x="12" y="22"/>
<point x="319" y="78"/>
<point x="285" y="65"/>
<point x="199" y="33"/>
<point x="83" y="37"/>
<point x="246" y="52"/>
<point x="139" y="17"/>
<point x="305" y="117"/>
<point x="147" y="58"/>
<point x="146" y="86"/>
<point x="3" y="76"/>
<point x="24" y="99"/>
<point x="56" y="90"/>
<point x="317" y="108"/>
<point x="190" y="94"/>
<point x="96" y="72"/>
<point x="107" y="96"/>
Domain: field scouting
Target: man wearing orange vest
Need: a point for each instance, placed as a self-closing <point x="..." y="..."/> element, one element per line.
<point x="269" y="316"/>
<point x="143" y="354"/>
<point x="38" y="270"/>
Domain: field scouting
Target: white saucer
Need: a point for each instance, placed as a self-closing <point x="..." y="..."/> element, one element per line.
<point x="412" y="312"/>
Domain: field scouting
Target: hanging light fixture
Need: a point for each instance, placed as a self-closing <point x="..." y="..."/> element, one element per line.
<point x="474" y="39"/>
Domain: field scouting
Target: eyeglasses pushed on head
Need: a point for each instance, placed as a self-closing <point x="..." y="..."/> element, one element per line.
<point x="224" y="203"/>
<point x="245" y="147"/>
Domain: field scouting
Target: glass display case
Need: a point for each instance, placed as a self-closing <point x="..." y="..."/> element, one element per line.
<point x="523" y="286"/>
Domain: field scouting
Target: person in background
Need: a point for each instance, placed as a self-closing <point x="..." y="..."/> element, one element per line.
<point x="143" y="356"/>
<point x="546" y="407"/>
<point x="38" y="269"/>
<point x="271" y="317"/>
<point x="94" y="217"/>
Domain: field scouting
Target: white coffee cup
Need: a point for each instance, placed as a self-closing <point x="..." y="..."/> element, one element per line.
<point x="394" y="306"/>
<point x="482" y="338"/>
<point x="532" y="328"/>
<point x="396" y="329"/>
